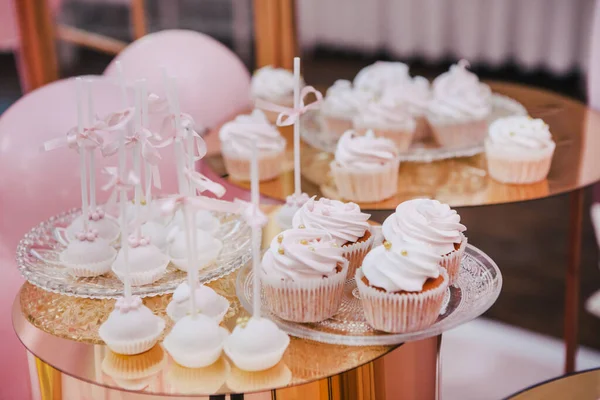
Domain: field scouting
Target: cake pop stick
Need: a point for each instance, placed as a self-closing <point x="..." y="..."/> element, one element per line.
<point x="297" y="181"/>
<point x="147" y="167"/>
<point x="82" y="152"/>
<point x="190" y="231"/>
<point x="137" y="156"/>
<point x="256" y="230"/>
<point x="92" y="150"/>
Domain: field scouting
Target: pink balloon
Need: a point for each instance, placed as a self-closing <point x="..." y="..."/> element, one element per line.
<point x="36" y="185"/>
<point x="213" y="84"/>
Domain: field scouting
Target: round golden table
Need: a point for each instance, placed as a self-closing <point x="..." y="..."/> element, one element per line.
<point x="584" y="385"/>
<point x="462" y="182"/>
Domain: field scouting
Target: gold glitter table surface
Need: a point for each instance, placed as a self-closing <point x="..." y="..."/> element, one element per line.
<point x="461" y="181"/>
<point x="62" y="331"/>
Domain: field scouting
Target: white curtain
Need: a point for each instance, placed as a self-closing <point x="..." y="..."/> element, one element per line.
<point x="547" y="34"/>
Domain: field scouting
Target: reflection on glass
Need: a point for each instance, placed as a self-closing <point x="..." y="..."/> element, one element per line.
<point x="134" y="372"/>
<point x="206" y="380"/>
<point x="243" y="381"/>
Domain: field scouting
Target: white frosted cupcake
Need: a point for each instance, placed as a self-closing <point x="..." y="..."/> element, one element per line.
<point x="340" y="105"/>
<point x="386" y="119"/>
<point x="365" y="168"/>
<point x="376" y="77"/>
<point x="347" y="225"/>
<point x="459" y="108"/>
<point x="274" y="85"/>
<point x="519" y="150"/>
<point x="303" y="275"/>
<point x="431" y="223"/>
<point x="237" y="137"/>
<point x="414" y="96"/>
<point x="401" y="287"/>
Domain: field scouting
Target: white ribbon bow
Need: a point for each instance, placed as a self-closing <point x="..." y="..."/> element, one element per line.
<point x="117" y="184"/>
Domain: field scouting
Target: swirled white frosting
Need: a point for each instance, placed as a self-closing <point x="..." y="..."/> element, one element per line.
<point x="343" y="101"/>
<point x="364" y="152"/>
<point x="520" y="133"/>
<point x="273" y="84"/>
<point x="414" y="95"/>
<point x="344" y="221"/>
<point x="384" y="114"/>
<point x="303" y="253"/>
<point x="376" y="77"/>
<point x="458" y="94"/>
<point x="404" y="267"/>
<point x="239" y="135"/>
<point x="425" y="221"/>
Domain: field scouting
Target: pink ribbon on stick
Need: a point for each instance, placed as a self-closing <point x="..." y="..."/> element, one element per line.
<point x="288" y="116"/>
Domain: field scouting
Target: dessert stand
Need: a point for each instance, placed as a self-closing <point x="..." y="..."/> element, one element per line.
<point x="462" y="182"/>
<point x="52" y="325"/>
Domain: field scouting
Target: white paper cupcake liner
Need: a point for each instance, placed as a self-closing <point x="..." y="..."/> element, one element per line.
<point x="355" y="254"/>
<point x="308" y="300"/>
<point x="366" y="186"/>
<point x="334" y="127"/>
<point x="269" y="166"/>
<point x="401" y="137"/>
<point x="133" y="346"/>
<point x="401" y="313"/>
<point x="90" y="270"/>
<point x="145" y="277"/>
<point x="258" y="362"/>
<point x="422" y="131"/>
<point x="458" y="134"/>
<point x="195" y="359"/>
<point x="451" y="262"/>
<point x="507" y="168"/>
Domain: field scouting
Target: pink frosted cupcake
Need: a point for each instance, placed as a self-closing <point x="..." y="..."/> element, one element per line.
<point x="432" y="223"/>
<point x="413" y="95"/>
<point x="236" y="138"/>
<point x="346" y="224"/>
<point x="388" y="120"/>
<point x="303" y="275"/>
<point x="365" y="168"/>
<point x="375" y="78"/>
<point x="273" y="85"/>
<point x="401" y="287"/>
<point x="459" y="108"/>
<point x="519" y="150"/>
<point x="340" y="105"/>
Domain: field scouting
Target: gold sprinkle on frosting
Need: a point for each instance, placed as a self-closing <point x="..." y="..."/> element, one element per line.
<point x="280" y="238"/>
<point x="304" y="242"/>
<point x="280" y="250"/>
<point x="302" y="226"/>
<point x="404" y="253"/>
<point x="387" y="245"/>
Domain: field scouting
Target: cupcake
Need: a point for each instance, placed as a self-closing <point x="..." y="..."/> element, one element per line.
<point x="519" y="150"/>
<point x="273" y="85"/>
<point x="340" y="105"/>
<point x="431" y="223"/>
<point x="401" y="287"/>
<point x="388" y="120"/>
<point x="380" y="75"/>
<point x="346" y="224"/>
<point x="459" y="107"/>
<point x="303" y="274"/>
<point x="365" y="168"/>
<point x="237" y="138"/>
<point x="413" y="95"/>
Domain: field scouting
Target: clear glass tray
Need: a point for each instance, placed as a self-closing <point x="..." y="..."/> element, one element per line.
<point x="420" y="151"/>
<point x="477" y="289"/>
<point x="38" y="260"/>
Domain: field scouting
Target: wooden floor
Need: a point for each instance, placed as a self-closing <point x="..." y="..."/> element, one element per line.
<point x="527" y="240"/>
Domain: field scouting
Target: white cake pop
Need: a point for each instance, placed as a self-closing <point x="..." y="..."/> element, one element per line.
<point x="204" y="220"/>
<point x="106" y="226"/>
<point x="88" y="255"/>
<point x="131" y="328"/>
<point x="256" y="344"/>
<point x="196" y="341"/>
<point x="292" y="204"/>
<point x="157" y="233"/>
<point x="208" y="303"/>
<point x="147" y="263"/>
<point x="207" y="249"/>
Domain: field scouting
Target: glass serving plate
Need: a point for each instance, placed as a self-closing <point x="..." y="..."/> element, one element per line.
<point x="38" y="261"/>
<point x="420" y="151"/>
<point x="476" y="290"/>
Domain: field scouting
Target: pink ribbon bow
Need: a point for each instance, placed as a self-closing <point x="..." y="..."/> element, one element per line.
<point x="202" y="184"/>
<point x="252" y="214"/>
<point x="171" y="204"/>
<point x="117" y="184"/>
<point x="126" y="305"/>
<point x="288" y="116"/>
<point x="187" y="128"/>
<point x="91" y="136"/>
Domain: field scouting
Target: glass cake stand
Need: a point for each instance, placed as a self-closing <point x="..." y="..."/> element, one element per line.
<point x="38" y="261"/>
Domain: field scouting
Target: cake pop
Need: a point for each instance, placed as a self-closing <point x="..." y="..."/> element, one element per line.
<point x="207" y="248"/>
<point x="208" y="301"/>
<point x="88" y="255"/>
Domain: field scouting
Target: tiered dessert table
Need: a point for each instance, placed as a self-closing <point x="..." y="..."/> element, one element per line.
<point x="463" y="182"/>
